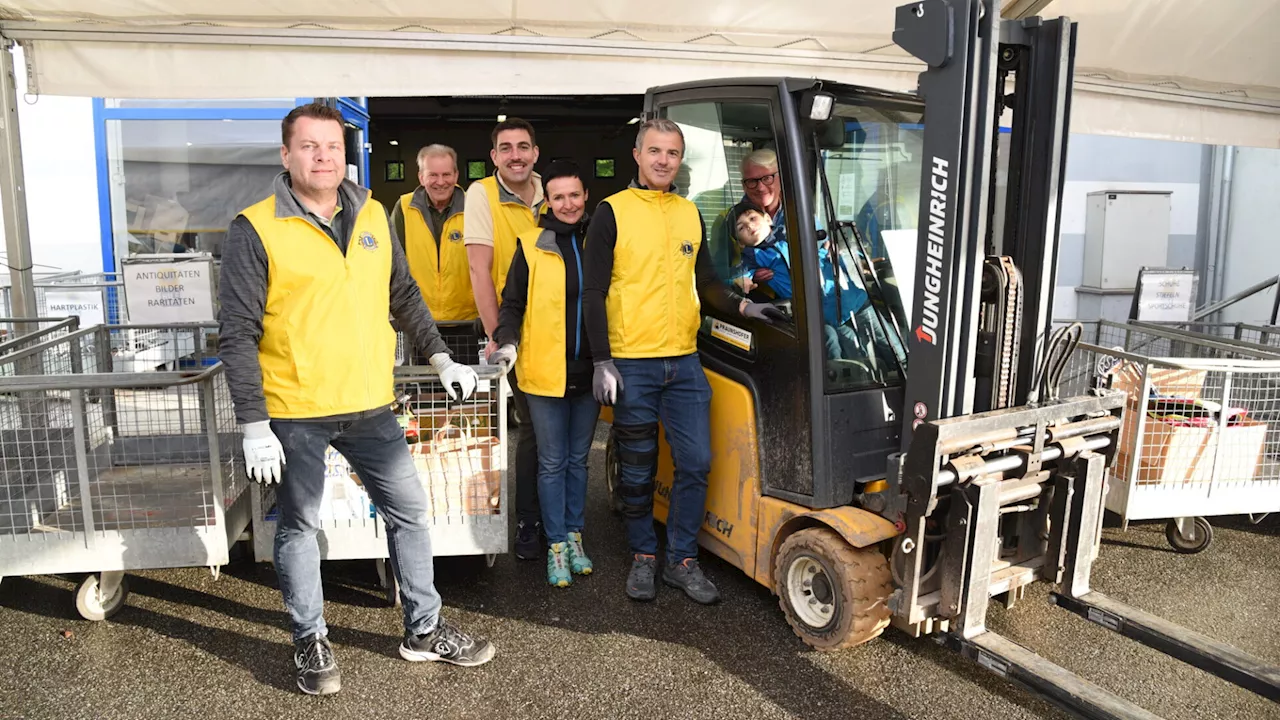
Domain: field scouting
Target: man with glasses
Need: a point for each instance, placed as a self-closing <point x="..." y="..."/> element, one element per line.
<point x="769" y="263"/>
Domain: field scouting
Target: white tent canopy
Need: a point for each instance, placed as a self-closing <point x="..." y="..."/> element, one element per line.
<point x="1192" y="70"/>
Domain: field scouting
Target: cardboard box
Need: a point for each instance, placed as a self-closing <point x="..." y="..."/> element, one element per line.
<point x="1176" y="453"/>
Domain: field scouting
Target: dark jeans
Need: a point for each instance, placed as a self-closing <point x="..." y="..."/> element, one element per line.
<point x="376" y="449"/>
<point x="527" y="508"/>
<point x="565" y="427"/>
<point x="675" y="391"/>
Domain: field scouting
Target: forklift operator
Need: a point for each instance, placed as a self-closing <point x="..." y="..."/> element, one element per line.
<point x="647" y="265"/>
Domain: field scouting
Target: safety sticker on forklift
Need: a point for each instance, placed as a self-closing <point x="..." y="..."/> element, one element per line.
<point x="1105" y="619"/>
<point x="731" y="334"/>
<point x="993" y="664"/>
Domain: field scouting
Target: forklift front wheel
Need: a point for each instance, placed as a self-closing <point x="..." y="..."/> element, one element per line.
<point x="613" y="473"/>
<point x="1197" y="539"/>
<point x="833" y="594"/>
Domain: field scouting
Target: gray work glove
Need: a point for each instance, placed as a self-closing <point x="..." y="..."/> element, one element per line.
<point x="453" y="373"/>
<point x="764" y="312"/>
<point x="607" y="383"/>
<point x="263" y="453"/>
<point x="504" y="356"/>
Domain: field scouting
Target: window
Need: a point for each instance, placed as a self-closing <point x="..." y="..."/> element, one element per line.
<point x="175" y="185"/>
<point x="395" y="171"/>
<point x="719" y="136"/>
<point x="475" y="169"/>
<point x="871" y="176"/>
<point x="605" y="167"/>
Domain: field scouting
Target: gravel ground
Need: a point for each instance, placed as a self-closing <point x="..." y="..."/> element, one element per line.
<point x="191" y="646"/>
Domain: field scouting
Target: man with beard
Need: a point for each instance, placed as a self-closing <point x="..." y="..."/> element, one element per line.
<point x="499" y="208"/>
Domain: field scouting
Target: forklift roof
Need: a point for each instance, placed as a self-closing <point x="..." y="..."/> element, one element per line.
<point x="1177" y="69"/>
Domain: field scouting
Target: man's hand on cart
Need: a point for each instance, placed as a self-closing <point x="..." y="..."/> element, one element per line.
<point x="263" y="453"/>
<point x="453" y="373"/>
<point x="504" y="356"/>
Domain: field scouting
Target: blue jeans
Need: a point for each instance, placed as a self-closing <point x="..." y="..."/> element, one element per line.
<point x="565" y="427"/>
<point x="675" y="391"/>
<point x="376" y="449"/>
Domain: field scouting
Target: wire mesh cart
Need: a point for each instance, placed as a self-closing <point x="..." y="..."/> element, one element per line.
<point x="460" y="450"/>
<point x="1201" y="432"/>
<point x="104" y="470"/>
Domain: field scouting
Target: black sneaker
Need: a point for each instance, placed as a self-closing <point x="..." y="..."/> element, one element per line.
<point x="529" y="540"/>
<point x="446" y="644"/>
<point x="317" y="671"/>
<point x="640" y="581"/>
<point x="688" y="576"/>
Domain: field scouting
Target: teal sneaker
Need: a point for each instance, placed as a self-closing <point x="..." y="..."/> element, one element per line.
<point x="578" y="559"/>
<point x="558" y="565"/>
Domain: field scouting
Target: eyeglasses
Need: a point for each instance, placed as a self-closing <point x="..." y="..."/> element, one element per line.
<point x="753" y="183"/>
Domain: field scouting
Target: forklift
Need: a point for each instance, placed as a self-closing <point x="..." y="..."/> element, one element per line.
<point x="930" y="464"/>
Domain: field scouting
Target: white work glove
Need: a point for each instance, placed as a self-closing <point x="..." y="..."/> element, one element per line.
<point x="504" y="356"/>
<point x="452" y="373"/>
<point x="263" y="453"/>
<point x="606" y="383"/>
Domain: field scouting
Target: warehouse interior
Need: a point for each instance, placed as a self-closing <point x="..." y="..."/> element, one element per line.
<point x="595" y="131"/>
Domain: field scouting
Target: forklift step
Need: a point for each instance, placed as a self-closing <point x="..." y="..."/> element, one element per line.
<point x="1014" y="662"/>
<point x="1219" y="658"/>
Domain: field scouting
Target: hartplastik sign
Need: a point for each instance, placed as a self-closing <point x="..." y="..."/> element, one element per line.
<point x="163" y="293"/>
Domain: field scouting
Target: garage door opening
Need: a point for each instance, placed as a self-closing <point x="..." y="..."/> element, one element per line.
<point x="595" y="131"/>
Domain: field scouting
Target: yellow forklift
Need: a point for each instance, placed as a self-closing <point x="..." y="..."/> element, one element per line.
<point x="898" y="452"/>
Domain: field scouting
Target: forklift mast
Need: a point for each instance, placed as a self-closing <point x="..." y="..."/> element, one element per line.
<point x="959" y="363"/>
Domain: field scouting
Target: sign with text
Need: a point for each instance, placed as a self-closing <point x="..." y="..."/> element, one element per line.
<point x="84" y="304"/>
<point x="169" y="291"/>
<point x="1164" y="295"/>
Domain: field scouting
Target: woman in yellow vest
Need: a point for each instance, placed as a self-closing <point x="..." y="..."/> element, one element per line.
<point x="541" y="313"/>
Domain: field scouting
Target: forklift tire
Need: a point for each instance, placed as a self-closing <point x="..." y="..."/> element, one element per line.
<point x="834" y="595"/>
<point x="1203" y="536"/>
<point x="613" y="473"/>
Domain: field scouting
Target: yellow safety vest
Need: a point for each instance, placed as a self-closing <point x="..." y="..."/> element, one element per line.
<point x="327" y="346"/>
<point x="540" y="364"/>
<point x="653" y="305"/>
<point x="510" y="218"/>
<point x="442" y="273"/>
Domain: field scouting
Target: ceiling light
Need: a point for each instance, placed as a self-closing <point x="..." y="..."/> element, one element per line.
<point x="502" y="118"/>
<point x="395" y="142"/>
<point x="633" y="121"/>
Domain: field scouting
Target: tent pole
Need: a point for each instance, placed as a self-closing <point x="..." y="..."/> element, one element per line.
<point x="13" y="194"/>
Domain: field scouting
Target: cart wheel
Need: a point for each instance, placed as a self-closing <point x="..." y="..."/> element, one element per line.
<point x="490" y="559"/>
<point x="834" y="595"/>
<point x="92" y="606"/>
<point x="613" y="474"/>
<point x="1200" y="537"/>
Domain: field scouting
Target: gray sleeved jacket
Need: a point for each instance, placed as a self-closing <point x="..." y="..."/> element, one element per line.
<point x="242" y="295"/>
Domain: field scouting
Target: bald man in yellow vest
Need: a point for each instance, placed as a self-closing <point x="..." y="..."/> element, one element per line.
<point x="309" y="278"/>
<point x="498" y="209"/>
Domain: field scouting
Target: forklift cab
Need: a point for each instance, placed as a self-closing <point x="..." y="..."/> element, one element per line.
<point x="827" y="385"/>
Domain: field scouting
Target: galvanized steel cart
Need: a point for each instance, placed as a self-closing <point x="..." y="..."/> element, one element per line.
<point x="461" y="454"/>
<point x="1201" y="435"/>
<point x="103" y="471"/>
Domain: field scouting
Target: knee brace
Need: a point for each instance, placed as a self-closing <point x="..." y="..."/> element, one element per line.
<point x="626" y="434"/>
<point x="637" y="500"/>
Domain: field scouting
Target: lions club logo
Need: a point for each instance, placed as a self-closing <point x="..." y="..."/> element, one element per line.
<point x="367" y="241"/>
<point x="455" y="236"/>
<point x="686" y="248"/>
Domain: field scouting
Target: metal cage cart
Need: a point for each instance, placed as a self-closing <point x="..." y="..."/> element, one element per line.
<point x="460" y="337"/>
<point x="104" y="470"/>
<point x="96" y="298"/>
<point x="460" y="450"/>
<point x="1201" y="433"/>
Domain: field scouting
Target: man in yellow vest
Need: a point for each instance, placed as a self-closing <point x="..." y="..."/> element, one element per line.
<point x="309" y="278"/>
<point x="647" y="271"/>
<point x="498" y="209"/>
<point x="429" y="223"/>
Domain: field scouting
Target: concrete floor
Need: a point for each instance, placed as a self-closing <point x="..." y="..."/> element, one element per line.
<point x="189" y="646"/>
